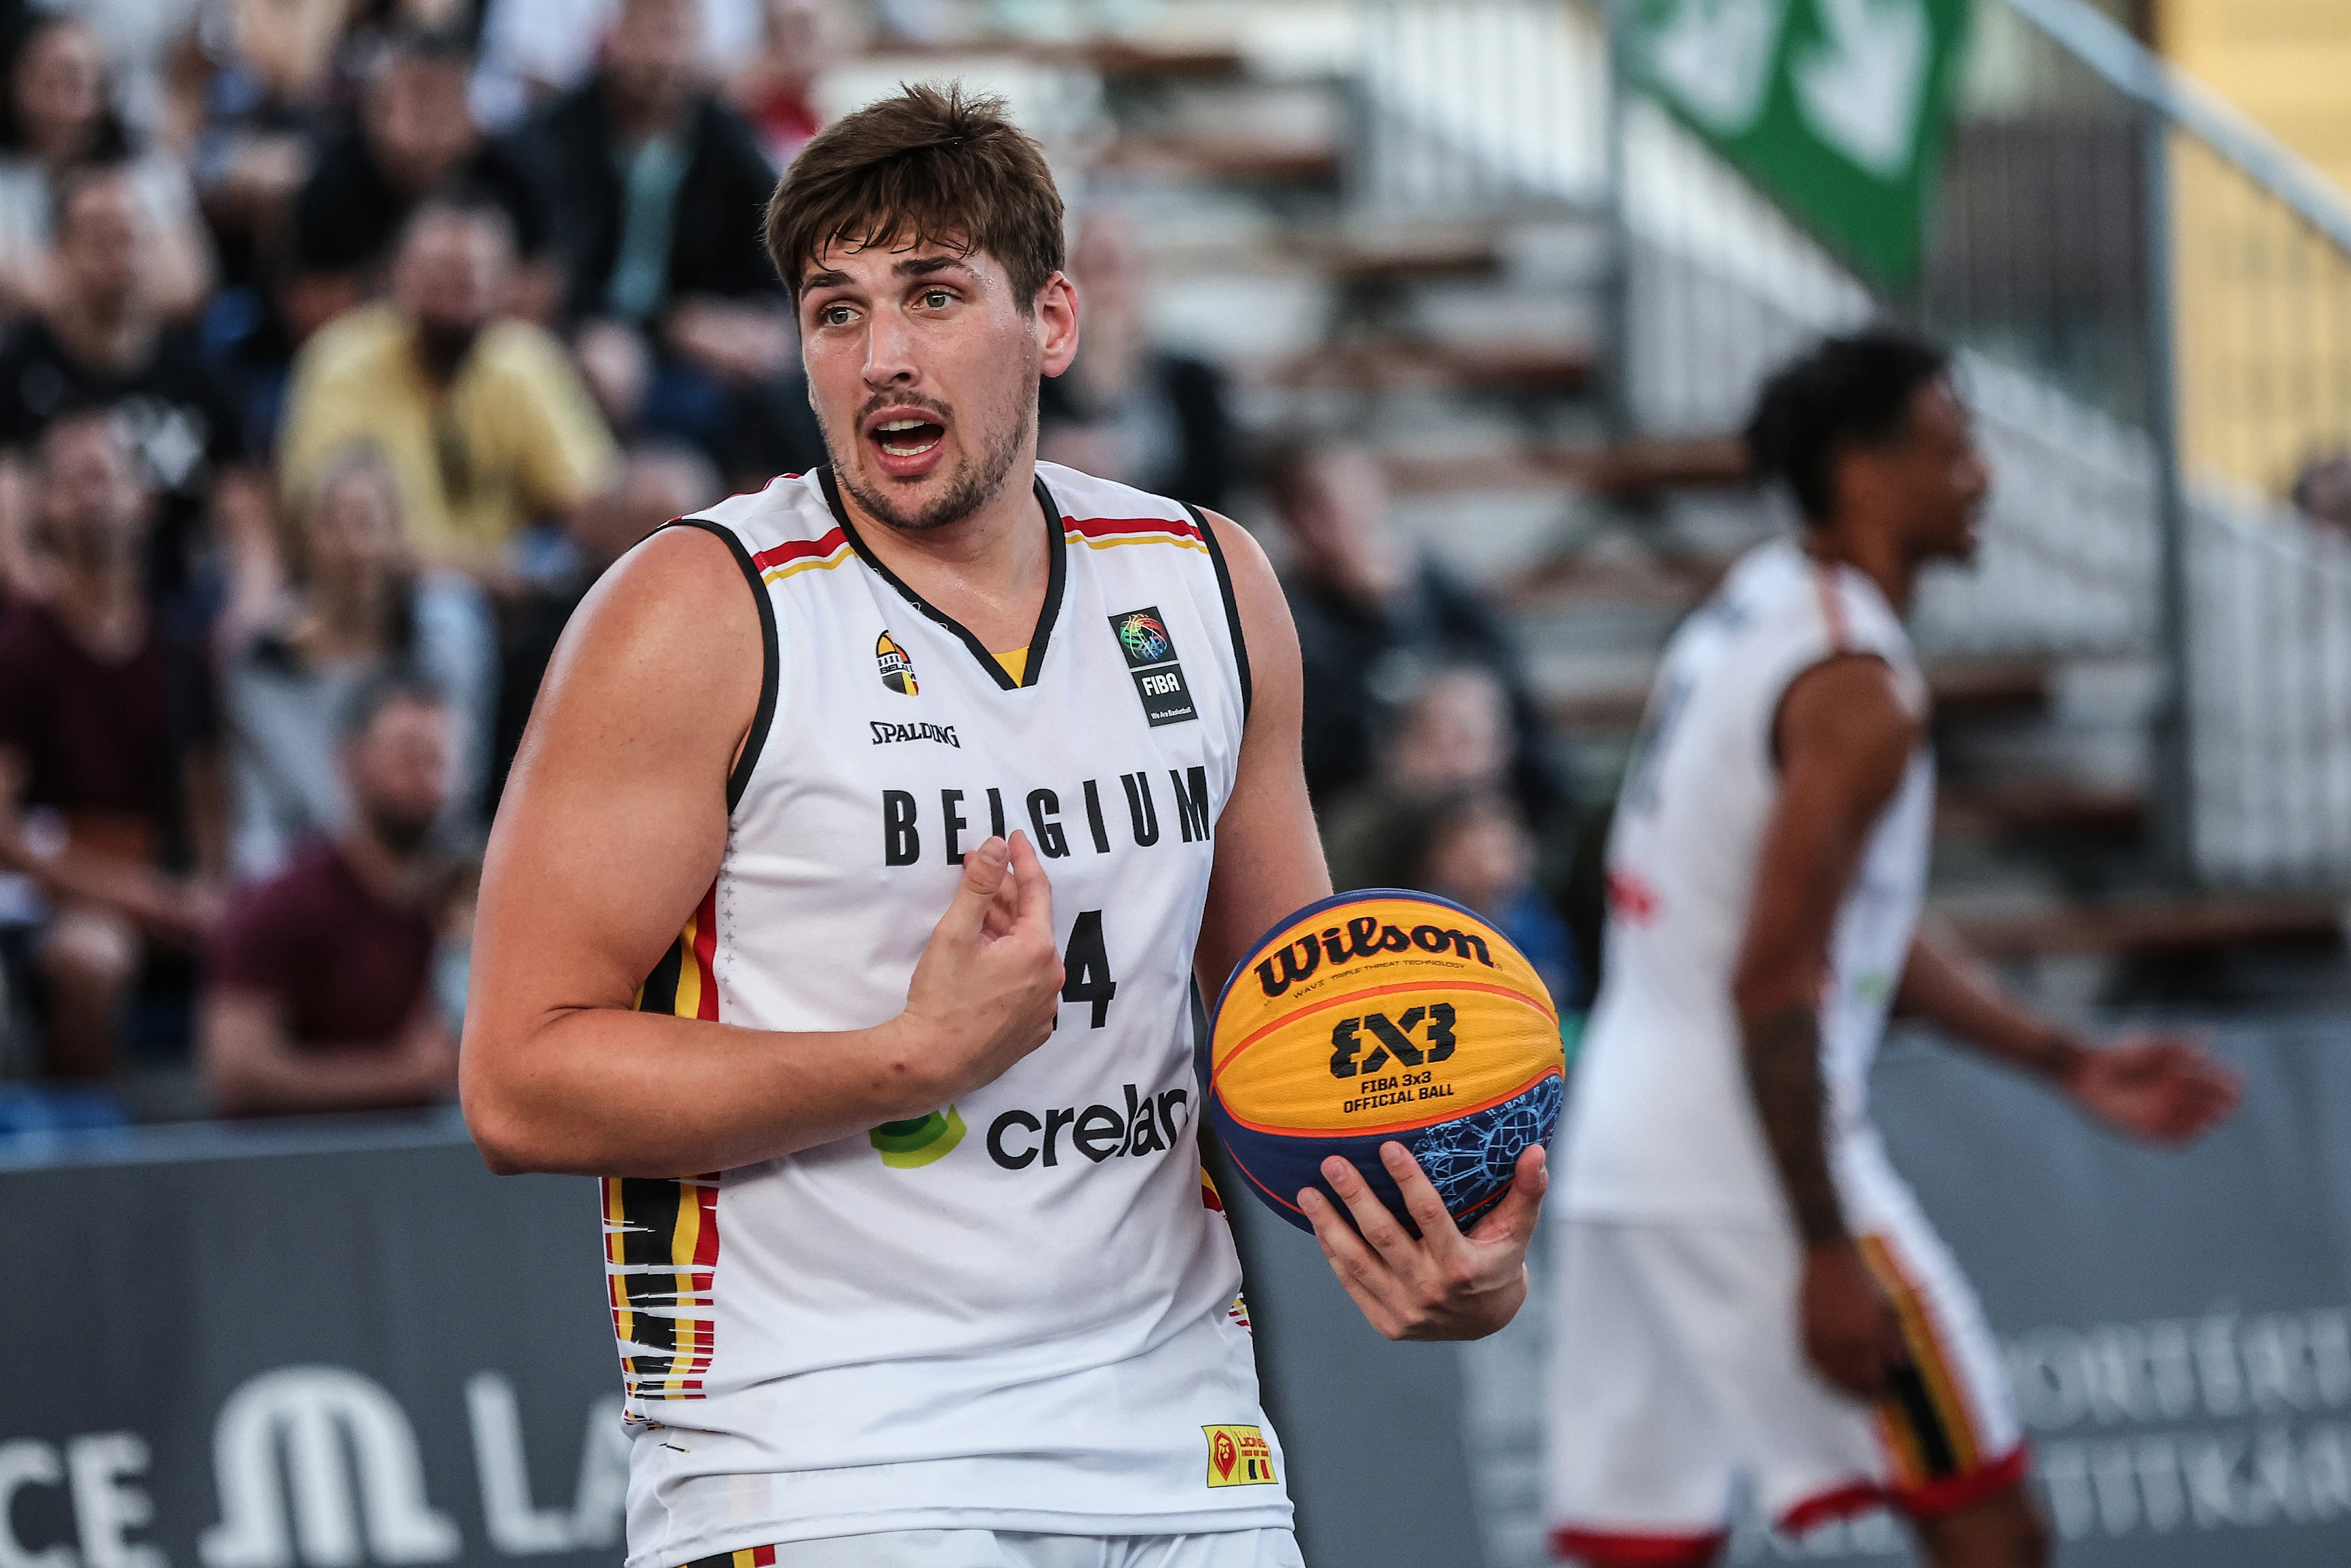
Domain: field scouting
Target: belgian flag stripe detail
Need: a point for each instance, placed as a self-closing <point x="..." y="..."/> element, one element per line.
<point x="1928" y="1393"/>
<point x="792" y="550"/>
<point x="661" y="1237"/>
<point x="744" y="1557"/>
<point x="615" y="1245"/>
<point x="702" y="938"/>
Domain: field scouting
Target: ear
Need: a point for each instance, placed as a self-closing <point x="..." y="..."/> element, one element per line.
<point x="1055" y="316"/>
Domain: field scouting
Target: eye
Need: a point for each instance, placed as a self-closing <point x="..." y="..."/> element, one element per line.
<point x="833" y="316"/>
<point x="937" y="298"/>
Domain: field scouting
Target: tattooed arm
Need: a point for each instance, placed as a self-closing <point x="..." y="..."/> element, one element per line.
<point x="1843" y="738"/>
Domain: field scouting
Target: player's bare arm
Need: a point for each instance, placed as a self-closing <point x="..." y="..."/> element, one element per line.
<point x="613" y="824"/>
<point x="1440" y="1284"/>
<point x="1843" y="738"/>
<point x="2161" y="1088"/>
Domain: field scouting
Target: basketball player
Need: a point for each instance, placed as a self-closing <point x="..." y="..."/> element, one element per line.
<point x="1748" y="1292"/>
<point x="842" y="912"/>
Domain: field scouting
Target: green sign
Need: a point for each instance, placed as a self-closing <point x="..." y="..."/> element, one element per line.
<point x="1835" y="109"/>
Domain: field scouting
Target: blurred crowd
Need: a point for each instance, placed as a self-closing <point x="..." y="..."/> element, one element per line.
<point x="343" y="343"/>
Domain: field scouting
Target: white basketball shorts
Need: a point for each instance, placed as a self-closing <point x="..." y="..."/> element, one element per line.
<point x="1677" y="1371"/>
<point x="1014" y="1549"/>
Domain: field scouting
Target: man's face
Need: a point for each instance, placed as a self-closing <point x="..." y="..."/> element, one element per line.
<point x="1335" y="511"/>
<point x="399" y="771"/>
<point x="1934" y="476"/>
<point x="417" y="121"/>
<point x="451" y="274"/>
<point x="99" y="235"/>
<point x="922" y="367"/>
<point x="649" y="59"/>
<point x="92" y="502"/>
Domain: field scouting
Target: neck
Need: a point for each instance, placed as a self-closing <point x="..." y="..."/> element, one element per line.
<point x="641" y="119"/>
<point x="987" y="569"/>
<point x="1874" y="553"/>
<point x="392" y="880"/>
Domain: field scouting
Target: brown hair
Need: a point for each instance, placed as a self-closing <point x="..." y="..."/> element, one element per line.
<point x="926" y="167"/>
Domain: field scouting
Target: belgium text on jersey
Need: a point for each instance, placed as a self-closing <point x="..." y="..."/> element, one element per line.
<point x="955" y="828"/>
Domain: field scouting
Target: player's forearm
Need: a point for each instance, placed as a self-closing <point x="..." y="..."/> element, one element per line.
<point x="1783" y="1074"/>
<point x="1943" y="984"/>
<point x="608" y="1091"/>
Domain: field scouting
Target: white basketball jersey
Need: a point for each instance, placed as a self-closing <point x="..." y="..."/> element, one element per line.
<point x="1661" y="1123"/>
<point x="1021" y="1312"/>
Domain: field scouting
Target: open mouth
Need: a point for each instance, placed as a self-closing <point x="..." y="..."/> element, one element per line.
<point x="907" y="438"/>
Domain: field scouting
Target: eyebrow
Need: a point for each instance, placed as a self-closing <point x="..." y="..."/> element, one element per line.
<point x="912" y="267"/>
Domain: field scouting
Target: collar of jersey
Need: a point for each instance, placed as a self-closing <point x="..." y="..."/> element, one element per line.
<point x="1056" y="571"/>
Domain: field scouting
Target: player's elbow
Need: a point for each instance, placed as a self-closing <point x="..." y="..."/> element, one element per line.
<point x="501" y="1138"/>
<point x="510" y="1140"/>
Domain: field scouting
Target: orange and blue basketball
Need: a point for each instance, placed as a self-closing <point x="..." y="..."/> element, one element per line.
<point x="1377" y="1016"/>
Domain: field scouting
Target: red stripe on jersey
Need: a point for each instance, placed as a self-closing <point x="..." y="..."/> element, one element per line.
<point x="800" y="549"/>
<point x="706" y="954"/>
<point x="1104" y="527"/>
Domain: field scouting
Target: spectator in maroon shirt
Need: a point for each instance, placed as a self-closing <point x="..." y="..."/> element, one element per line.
<point x="319" y="995"/>
<point x="109" y="783"/>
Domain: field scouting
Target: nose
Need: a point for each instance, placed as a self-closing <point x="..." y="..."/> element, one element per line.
<point x="889" y="351"/>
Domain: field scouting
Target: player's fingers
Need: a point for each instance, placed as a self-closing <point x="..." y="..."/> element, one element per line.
<point x="1372" y="1220"/>
<point x="1893" y="1347"/>
<point x="1514" y="1218"/>
<point x="1439" y="1234"/>
<point x="1363" y="1275"/>
<point x="1004" y="908"/>
<point x="983" y="874"/>
<point x="1033" y="906"/>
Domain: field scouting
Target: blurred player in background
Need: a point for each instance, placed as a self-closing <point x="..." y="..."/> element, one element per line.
<point x="1748" y="1292"/>
<point x="910" y="1254"/>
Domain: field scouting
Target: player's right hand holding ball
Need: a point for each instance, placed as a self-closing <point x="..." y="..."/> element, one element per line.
<point x="988" y="984"/>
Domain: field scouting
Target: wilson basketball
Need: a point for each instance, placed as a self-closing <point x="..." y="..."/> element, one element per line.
<point x="1384" y="1015"/>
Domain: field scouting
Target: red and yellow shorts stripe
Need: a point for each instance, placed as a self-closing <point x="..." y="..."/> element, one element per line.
<point x="1926" y="1422"/>
<point x="743" y="1557"/>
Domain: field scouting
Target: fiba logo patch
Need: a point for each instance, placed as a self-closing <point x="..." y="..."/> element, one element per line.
<point x="1145" y="639"/>
<point x="1150" y="651"/>
<point x="897" y="669"/>
<point x="1239" y="1456"/>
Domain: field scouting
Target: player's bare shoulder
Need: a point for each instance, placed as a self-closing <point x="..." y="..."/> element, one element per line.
<point x="665" y="650"/>
<point x="1853" y="711"/>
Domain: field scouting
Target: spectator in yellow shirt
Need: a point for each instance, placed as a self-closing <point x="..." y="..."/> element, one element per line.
<point x="478" y="415"/>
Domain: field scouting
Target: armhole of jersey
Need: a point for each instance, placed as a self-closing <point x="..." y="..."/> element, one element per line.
<point x="740" y="780"/>
<point x="1232" y="606"/>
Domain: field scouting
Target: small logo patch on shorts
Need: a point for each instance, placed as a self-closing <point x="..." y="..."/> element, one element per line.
<point x="1239" y="1456"/>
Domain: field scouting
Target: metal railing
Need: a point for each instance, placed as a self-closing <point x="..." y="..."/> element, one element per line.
<point x="2155" y="300"/>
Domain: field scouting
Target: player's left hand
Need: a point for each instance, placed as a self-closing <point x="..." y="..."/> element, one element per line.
<point x="1443" y="1285"/>
<point x="2159" y="1088"/>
